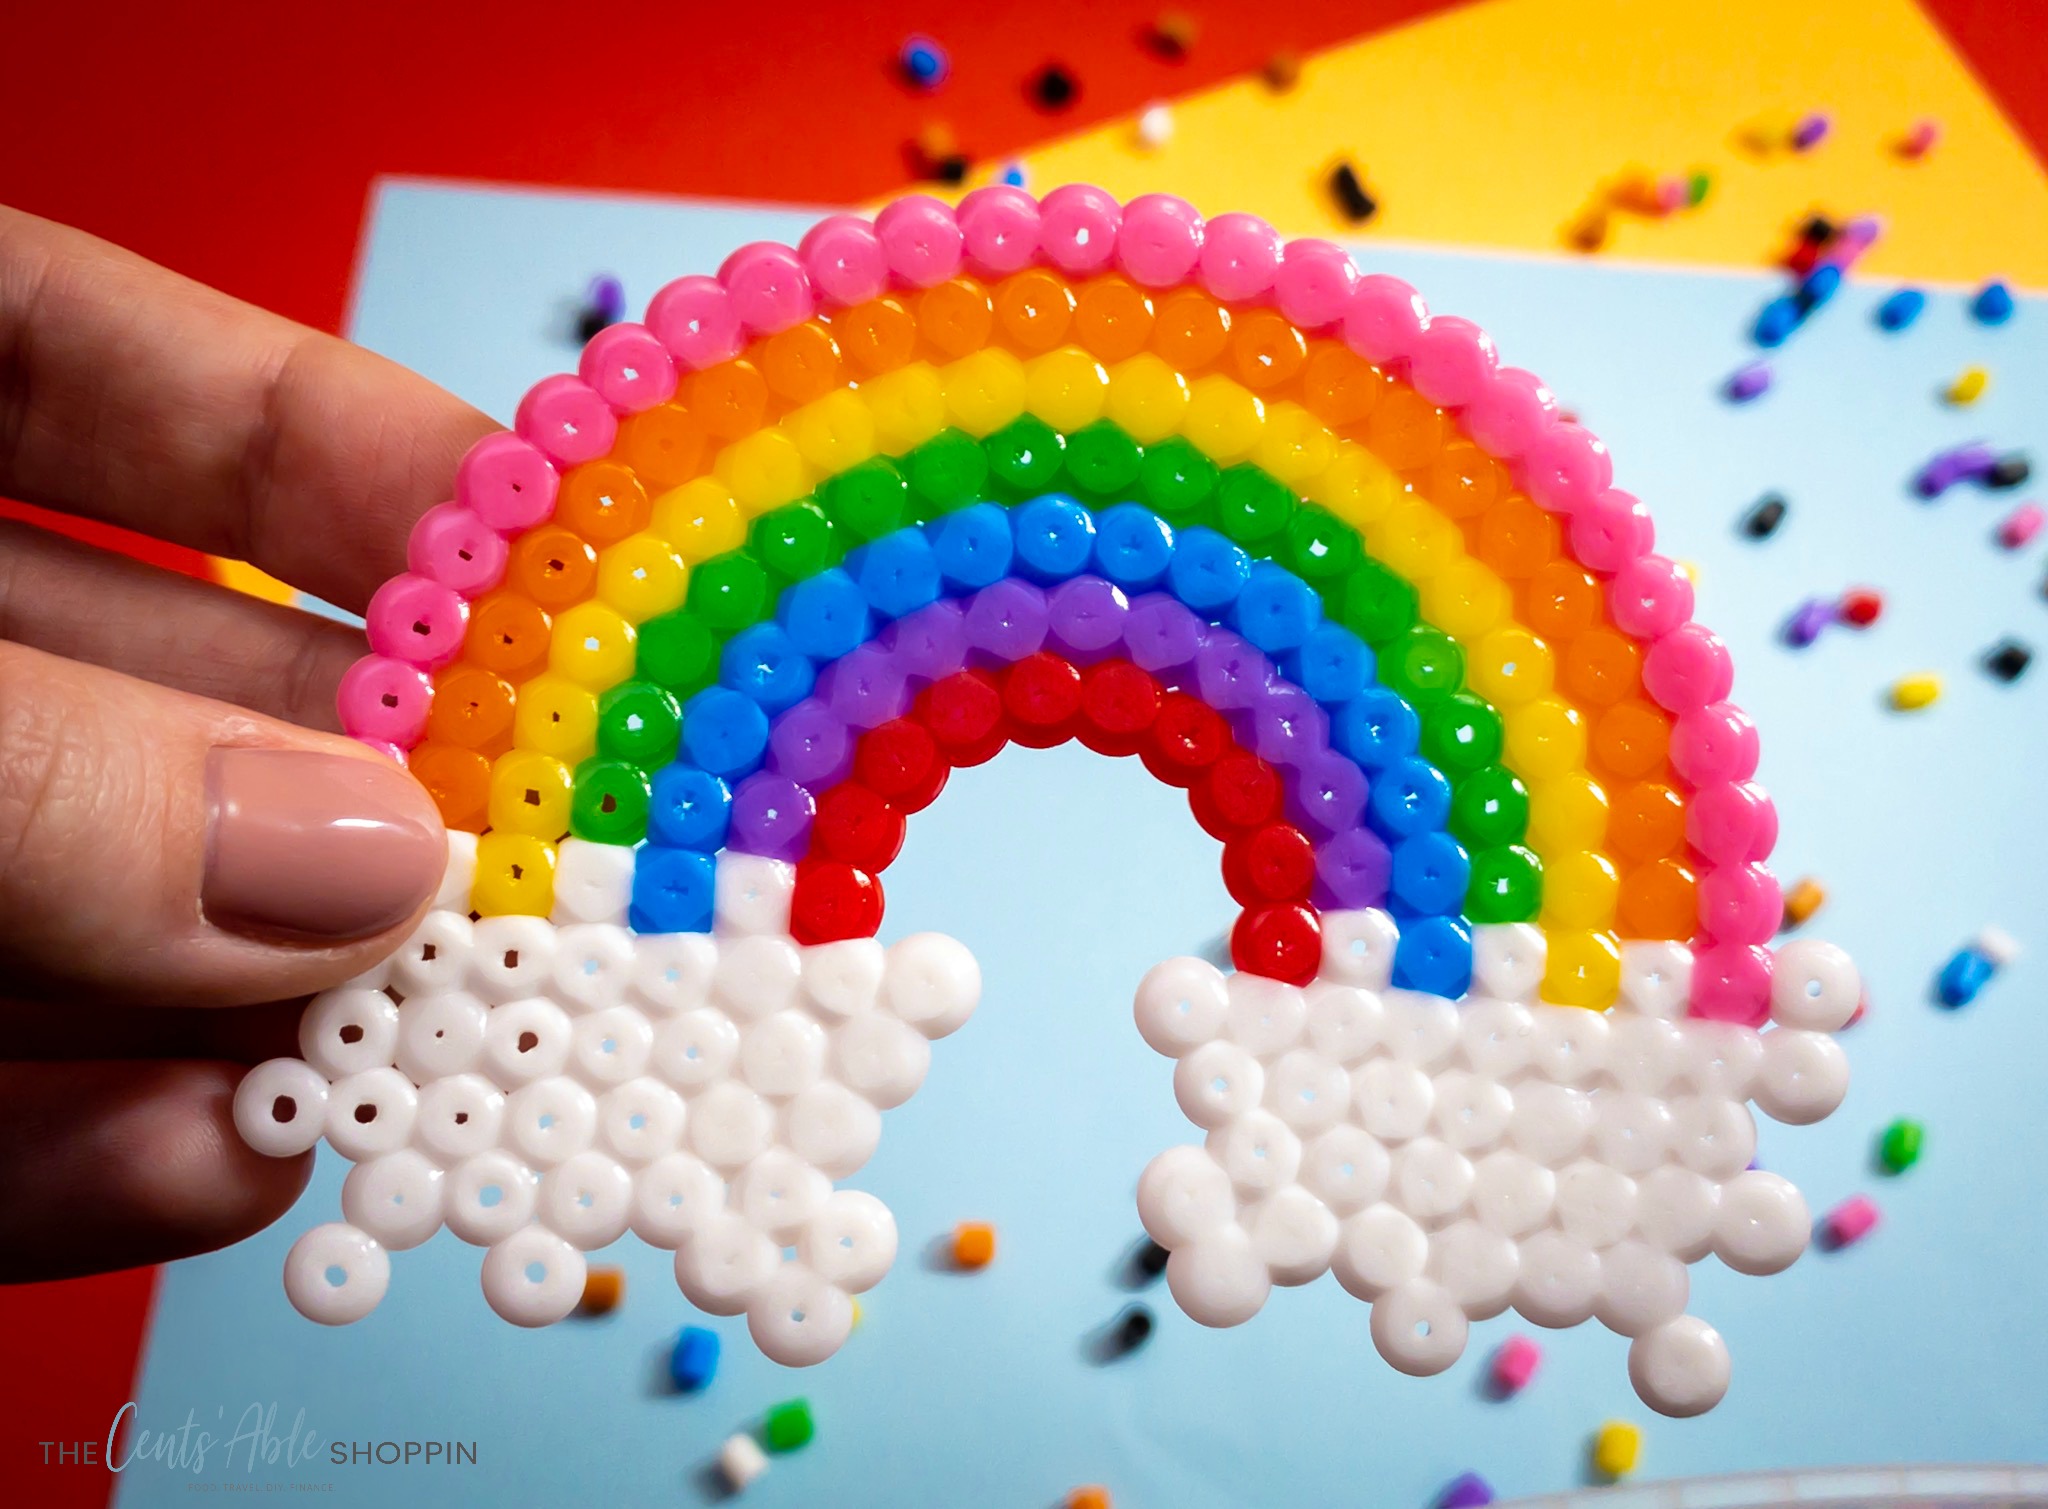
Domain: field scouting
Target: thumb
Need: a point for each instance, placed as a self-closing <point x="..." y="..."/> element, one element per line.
<point x="164" y="847"/>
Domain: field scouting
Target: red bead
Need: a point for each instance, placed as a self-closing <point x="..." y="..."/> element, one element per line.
<point x="1275" y="862"/>
<point x="1236" y="794"/>
<point x="833" y="902"/>
<point x="1042" y="700"/>
<point x="1860" y="606"/>
<point x="900" y="761"/>
<point x="964" y="712"/>
<point x="1119" y="703"/>
<point x="1280" y="941"/>
<point x="1186" y="738"/>
<point x="857" y="827"/>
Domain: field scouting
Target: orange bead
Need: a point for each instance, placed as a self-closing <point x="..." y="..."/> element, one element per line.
<point x="730" y="399"/>
<point x="878" y="336"/>
<point x="1113" y="319"/>
<point x="1090" y="1497"/>
<point x="1406" y="430"/>
<point x="974" y="1244"/>
<point x="472" y="709"/>
<point x="1034" y="310"/>
<point x="1265" y="350"/>
<point x="1659" y="901"/>
<point x="801" y="363"/>
<point x="955" y="318"/>
<point x="553" y="566"/>
<point x="603" y="1288"/>
<point x="603" y="502"/>
<point x="1562" y="601"/>
<point x="1516" y="538"/>
<point x="665" y="446"/>
<point x="1645" y="821"/>
<point x="1630" y="740"/>
<point x="1602" y="666"/>
<point x="1464" y="482"/>
<point x="508" y="635"/>
<point x="1339" y="386"/>
<point x="459" y="781"/>
<point x="1190" y="331"/>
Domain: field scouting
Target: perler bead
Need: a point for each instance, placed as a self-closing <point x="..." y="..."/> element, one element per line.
<point x="687" y="652"/>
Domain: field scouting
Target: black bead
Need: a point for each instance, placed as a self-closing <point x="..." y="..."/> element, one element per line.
<point x="1053" y="88"/>
<point x="1762" y="521"/>
<point x="950" y="169"/>
<point x="1817" y="231"/>
<point x="1133" y="1328"/>
<point x="589" y="321"/>
<point x="1352" y="198"/>
<point x="2010" y="471"/>
<point x="1150" y="1259"/>
<point x="2008" y="659"/>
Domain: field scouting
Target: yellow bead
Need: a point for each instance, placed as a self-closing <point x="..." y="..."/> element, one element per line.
<point x="1414" y="540"/>
<point x="592" y="646"/>
<point x="641" y="577"/>
<point x="1066" y="388"/>
<point x="1565" y="812"/>
<point x="909" y="405"/>
<point x="530" y="794"/>
<point x="834" y="433"/>
<point x="1911" y="693"/>
<point x="764" y="471"/>
<point x="1465" y="599"/>
<point x="1224" y="419"/>
<point x="1579" y="889"/>
<point x="700" y="519"/>
<point x="1969" y="387"/>
<point x="1294" y="446"/>
<point x="1583" y="968"/>
<point x="1546" y="738"/>
<point x="1147" y="398"/>
<point x="984" y="391"/>
<point x="1616" y="1448"/>
<point x="1357" y="487"/>
<point x="554" y="716"/>
<point x="1510" y="666"/>
<point x="515" y="876"/>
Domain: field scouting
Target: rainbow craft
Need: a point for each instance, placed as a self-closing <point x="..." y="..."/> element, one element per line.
<point x="693" y="641"/>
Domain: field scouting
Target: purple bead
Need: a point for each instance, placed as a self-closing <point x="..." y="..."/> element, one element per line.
<point x="1285" y="726"/>
<point x="1749" y="381"/>
<point x="1807" y="625"/>
<point x="1809" y="133"/>
<point x="606" y="298"/>
<point x="866" y="688"/>
<point x="1353" y="870"/>
<point x="1467" y="1491"/>
<point x="1086" y="618"/>
<point x="1229" y="673"/>
<point x="930" y="644"/>
<point x="771" y="816"/>
<point x="811" y="746"/>
<point x="1162" y="634"/>
<point x="1327" y="794"/>
<point x="1959" y="465"/>
<point x="1006" y="622"/>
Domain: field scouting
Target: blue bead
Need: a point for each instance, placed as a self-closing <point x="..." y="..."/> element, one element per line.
<point x="1013" y="175"/>
<point x="763" y="663"/>
<point x="1133" y="546"/>
<point x="826" y="616"/>
<point x="1993" y="304"/>
<point x="1277" y="609"/>
<point x="673" y="890"/>
<point x="1431" y="872"/>
<point x="688" y="808"/>
<point x="1963" y="976"/>
<point x="1901" y="309"/>
<point x="1410" y="796"/>
<point x="1333" y="665"/>
<point x="694" y="1359"/>
<point x="1818" y="286"/>
<point x="974" y="547"/>
<point x="1208" y="570"/>
<point x="1377" y="728"/>
<point x="725" y="731"/>
<point x="898" y="574"/>
<point x="1055" y="537"/>
<point x="1434" y="954"/>
<point x="1779" y="319"/>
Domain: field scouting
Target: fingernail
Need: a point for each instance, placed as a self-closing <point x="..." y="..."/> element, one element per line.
<point x="316" y="846"/>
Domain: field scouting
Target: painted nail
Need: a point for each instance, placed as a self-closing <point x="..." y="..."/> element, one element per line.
<point x="315" y="846"/>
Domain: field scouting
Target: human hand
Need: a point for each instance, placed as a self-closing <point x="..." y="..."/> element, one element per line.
<point x="188" y="847"/>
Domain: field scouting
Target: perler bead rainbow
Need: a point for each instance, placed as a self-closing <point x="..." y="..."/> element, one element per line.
<point x="692" y="643"/>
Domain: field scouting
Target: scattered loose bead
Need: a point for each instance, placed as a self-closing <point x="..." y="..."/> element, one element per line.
<point x="1155" y="127"/>
<point x="1092" y="1496"/>
<point x="1969" y="387"/>
<point x="1808" y="622"/>
<point x="1911" y="693"/>
<point x="1899" y="1148"/>
<point x="604" y="303"/>
<point x="1148" y="1260"/>
<point x="1971" y="967"/>
<point x="1281" y="71"/>
<point x="1764" y="516"/>
<point x="1919" y="140"/>
<point x="1993" y="304"/>
<point x="2021" y="525"/>
<point x="1514" y="1364"/>
<point x="973" y="1245"/>
<point x="1616" y="1448"/>
<point x="1749" y="381"/>
<point x="789" y="1426"/>
<point x="1849" y="1222"/>
<point x="741" y="1460"/>
<point x="1803" y="900"/>
<point x="1131" y="1329"/>
<point x="2008" y="660"/>
<point x="1974" y="461"/>
<point x="925" y="64"/>
<point x="1901" y="309"/>
<point x="1860" y="607"/>
<point x="693" y="1361"/>
<point x="1349" y="188"/>
<point x="1468" y="1490"/>
<point x="1811" y="131"/>
<point x="1173" y="34"/>
<point x="603" y="1288"/>
<point x="2008" y="471"/>
<point x="1053" y="88"/>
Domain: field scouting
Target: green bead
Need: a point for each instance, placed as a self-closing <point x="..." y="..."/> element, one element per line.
<point x="1024" y="456"/>
<point x="609" y="804"/>
<point x="1252" y="507"/>
<point x="1103" y="461"/>
<point x="1177" y="481"/>
<point x="795" y="542"/>
<point x="870" y="499"/>
<point x="729" y="591"/>
<point x="1378" y="606"/>
<point x="1461" y="733"/>
<point x="1489" y="808"/>
<point x="1900" y="1149"/>
<point x="637" y="721"/>
<point x="1696" y="188"/>
<point x="947" y="472"/>
<point x="1319" y="545"/>
<point x="1422" y="665"/>
<point x="789" y="1426"/>
<point x="1506" y="886"/>
<point x="679" y="651"/>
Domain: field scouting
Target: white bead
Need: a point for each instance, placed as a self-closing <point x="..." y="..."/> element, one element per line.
<point x="1217" y="1082"/>
<point x="753" y="895"/>
<point x="1712" y="1136"/>
<point x="1346" y="1169"/>
<point x="440" y="1035"/>
<point x="1344" y="1021"/>
<point x="550" y="1120"/>
<point x="1644" y="1054"/>
<point x="1378" y="1249"/>
<point x="371" y="1113"/>
<point x="524" y="1041"/>
<point x="882" y="1058"/>
<point x="640" y="1120"/>
<point x="436" y="956"/>
<point x="610" y="1047"/>
<point x="345" y="1032"/>
<point x="1180" y="1005"/>
<point x="833" y="1128"/>
<point x="1763" y="1223"/>
<point x="1640" y="1287"/>
<point x="593" y="965"/>
<point x="780" y="1193"/>
<point x="1431" y="1180"/>
<point x="1814" y="986"/>
<point x="843" y="979"/>
<point x="281" y="1107"/>
<point x="1496" y="1037"/>
<point x="932" y="982"/>
<point x="782" y="1054"/>
<point x="797" y="1319"/>
<point x="1358" y="947"/>
<point x="1218" y="1279"/>
<point x="1631" y="1133"/>
<point x="1183" y="1195"/>
<point x="851" y="1241"/>
<point x="1571" y="1044"/>
<point x="724" y="1262"/>
<point x="587" y="1200"/>
<point x="1721" y="1058"/>
<point x="674" y="1197"/>
<point x="1476" y="1266"/>
<point x="1294" y="1235"/>
<point x="1550" y="1122"/>
<point x="533" y="1277"/>
<point x="1265" y="1016"/>
<point x="460" y="875"/>
<point x="755" y="976"/>
<point x="1420" y="1029"/>
<point x="1559" y="1281"/>
<point x="1803" y="1078"/>
<point x="1155" y="126"/>
<point x="730" y="1125"/>
<point x="335" y="1274"/>
<point x="1472" y="1111"/>
<point x="395" y="1198"/>
<point x="1391" y="1100"/>
<point x="1512" y="1193"/>
<point x="1258" y="1152"/>
<point x="696" y="1049"/>
<point x="1998" y="947"/>
<point x="488" y="1197"/>
<point x="741" y="1461"/>
<point x="593" y="882"/>
<point x="1419" y="1328"/>
<point x="1508" y="960"/>
<point x="1675" y="1211"/>
<point x="672" y="972"/>
<point x="512" y="957"/>
<point x="1680" y="1368"/>
<point x="1656" y="978"/>
<point x="1595" y="1203"/>
<point x="1307" y="1091"/>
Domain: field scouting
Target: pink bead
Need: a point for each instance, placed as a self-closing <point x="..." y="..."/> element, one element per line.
<point x="1713" y="744"/>
<point x="384" y="701"/>
<point x="416" y="620"/>
<point x="1566" y="468"/>
<point x="999" y="227"/>
<point x="1851" y="1221"/>
<point x="1078" y="225"/>
<point x="1240" y="257"/>
<point x="449" y="544"/>
<point x="629" y="368"/>
<point x="1612" y="531"/>
<point x="1688" y="668"/>
<point x="843" y="256"/>
<point x="1731" y="823"/>
<point x="1160" y="241"/>
<point x="567" y="420"/>
<point x="507" y="483"/>
<point x="1453" y="362"/>
<point x="694" y="318"/>
<point x="766" y="283"/>
<point x="2021" y="525"/>
<point x="921" y="239"/>
<point x="1514" y="1364"/>
<point x="1650" y="597"/>
<point x="1741" y="904"/>
<point x="1315" y="283"/>
<point x="1731" y="982"/>
<point x="1511" y="415"/>
<point x="1385" y="319"/>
